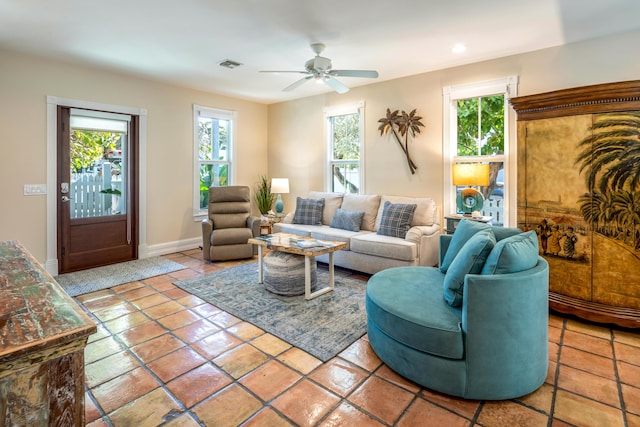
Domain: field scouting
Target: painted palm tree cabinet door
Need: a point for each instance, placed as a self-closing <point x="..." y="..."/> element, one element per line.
<point x="579" y="188"/>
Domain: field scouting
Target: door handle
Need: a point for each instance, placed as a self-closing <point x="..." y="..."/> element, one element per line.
<point x="65" y="199"/>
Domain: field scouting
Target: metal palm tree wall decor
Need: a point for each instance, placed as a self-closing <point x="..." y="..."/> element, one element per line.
<point x="402" y="124"/>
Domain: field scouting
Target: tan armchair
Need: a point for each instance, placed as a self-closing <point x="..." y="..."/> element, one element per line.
<point x="229" y="224"/>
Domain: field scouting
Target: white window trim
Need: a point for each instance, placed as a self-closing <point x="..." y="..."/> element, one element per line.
<point x="339" y="111"/>
<point x="198" y="110"/>
<point x="507" y="86"/>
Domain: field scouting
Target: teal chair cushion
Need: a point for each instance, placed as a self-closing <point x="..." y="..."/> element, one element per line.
<point x="513" y="254"/>
<point x="464" y="231"/>
<point x="469" y="260"/>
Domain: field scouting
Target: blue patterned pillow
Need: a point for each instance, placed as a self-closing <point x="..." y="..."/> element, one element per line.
<point x="396" y="219"/>
<point x="308" y="211"/>
<point x="347" y="220"/>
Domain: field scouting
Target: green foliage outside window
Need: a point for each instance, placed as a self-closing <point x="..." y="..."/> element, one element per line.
<point x="490" y="134"/>
<point x="345" y="132"/>
<point x="213" y="155"/>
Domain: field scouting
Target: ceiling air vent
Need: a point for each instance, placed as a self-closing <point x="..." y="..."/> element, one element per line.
<point x="229" y="63"/>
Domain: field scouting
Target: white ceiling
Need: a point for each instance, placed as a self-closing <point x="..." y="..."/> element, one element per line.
<point x="182" y="41"/>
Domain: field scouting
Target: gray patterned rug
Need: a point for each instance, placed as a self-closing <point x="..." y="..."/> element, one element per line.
<point x="95" y="279"/>
<point x="323" y="326"/>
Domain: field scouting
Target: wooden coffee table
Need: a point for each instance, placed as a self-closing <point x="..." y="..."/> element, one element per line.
<point x="294" y="244"/>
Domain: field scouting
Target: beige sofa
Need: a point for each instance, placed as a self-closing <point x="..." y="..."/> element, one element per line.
<point x="367" y="251"/>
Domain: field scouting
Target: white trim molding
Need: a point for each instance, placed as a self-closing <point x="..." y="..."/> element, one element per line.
<point x="173" y="247"/>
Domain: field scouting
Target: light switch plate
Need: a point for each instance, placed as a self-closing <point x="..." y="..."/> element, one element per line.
<point x="35" y="189"/>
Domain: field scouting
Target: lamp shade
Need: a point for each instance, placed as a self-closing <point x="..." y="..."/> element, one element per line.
<point x="280" y="185"/>
<point x="470" y="174"/>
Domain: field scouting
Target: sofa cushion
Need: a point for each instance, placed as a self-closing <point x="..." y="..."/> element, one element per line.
<point x="332" y="201"/>
<point x="308" y="211"/>
<point x="230" y="236"/>
<point x="406" y="304"/>
<point x="513" y="254"/>
<point x="384" y="246"/>
<point x="469" y="260"/>
<point x="297" y="229"/>
<point x="347" y="220"/>
<point x="464" y="231"/>
<point x="396" y="219"/>
<point x="334" y="235"/>
<point x="425" y="213"/>
<point x="368" y="204"/>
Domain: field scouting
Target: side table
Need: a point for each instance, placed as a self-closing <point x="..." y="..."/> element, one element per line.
<point x="454" y="219"/>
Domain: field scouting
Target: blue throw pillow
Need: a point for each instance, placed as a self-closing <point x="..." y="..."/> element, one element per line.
<point x="469" y="260"/>
<point x="308" y="211"/>
<point x="464" y="231"/>
<point x="396" y="219"/>
<point x="347" y="220"/>
<point x="513" y="254"/>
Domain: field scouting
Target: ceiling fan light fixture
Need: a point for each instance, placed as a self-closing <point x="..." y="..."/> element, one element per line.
<point x="459" y="48"/>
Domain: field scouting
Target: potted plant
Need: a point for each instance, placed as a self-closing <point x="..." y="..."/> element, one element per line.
<point x="264" y="198"/>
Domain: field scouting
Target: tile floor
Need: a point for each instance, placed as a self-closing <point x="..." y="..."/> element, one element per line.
<point x="164" y="357"/>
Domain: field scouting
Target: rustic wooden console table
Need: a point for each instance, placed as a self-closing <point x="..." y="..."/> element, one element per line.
<point x="43" y="333"/>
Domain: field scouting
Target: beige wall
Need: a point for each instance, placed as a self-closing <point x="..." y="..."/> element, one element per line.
<point x="26" y="81"/>
<point x="296" y="134"/>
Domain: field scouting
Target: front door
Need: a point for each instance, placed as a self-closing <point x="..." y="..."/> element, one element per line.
<point x="97" y="188"/>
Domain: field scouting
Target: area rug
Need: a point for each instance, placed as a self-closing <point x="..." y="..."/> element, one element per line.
<point x="95" y="279"/>
<point x="323" y="326"/>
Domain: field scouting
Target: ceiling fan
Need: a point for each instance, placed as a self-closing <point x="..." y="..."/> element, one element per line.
<point x="319" y="68"/>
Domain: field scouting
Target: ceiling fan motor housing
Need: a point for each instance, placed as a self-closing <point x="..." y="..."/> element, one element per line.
<point x="318" y="63"/>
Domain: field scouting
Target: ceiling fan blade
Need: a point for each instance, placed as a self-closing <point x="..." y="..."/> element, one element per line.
<point x="281" y="72"/>
<point x="354" y="73"/>
<point x="335" y="85"/>
<point x="297" y="83"/>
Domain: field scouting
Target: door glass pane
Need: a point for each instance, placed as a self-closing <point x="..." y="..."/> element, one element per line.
<point x="212" y="175"/>
<point x="98" y="158"/>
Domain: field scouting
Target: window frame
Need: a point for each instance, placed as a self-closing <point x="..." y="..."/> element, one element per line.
<point x="507" y="86"/>
<point x="356" y="108"/>
<point x="219" y="114"/>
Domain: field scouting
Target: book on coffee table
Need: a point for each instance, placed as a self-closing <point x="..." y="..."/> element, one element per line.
<point x="304" y="243"/>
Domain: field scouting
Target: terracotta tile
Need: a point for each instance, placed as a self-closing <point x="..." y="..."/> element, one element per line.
<point x="127" y="322"/>
<point x="633" y="420"/>
<point x="113" y="312"/>
<point x="299" y="360"/>
<point x="229" y="407"/>
<point x="463" y="407"/>
<point x="540" y="399"/>
<point x="339" y="376"/>
<point x="182" y="420"/>
<point x="245" y="331"/>
<point x="206" y="268"/>
<point x="361" y="353"/>
<point x="98" y="423"/>
<point x="305" y="403"/>
<point x="627" y="353"/>
<point x="580" y="359"/>
<point x="109" y="368"/>
<point x="177" y="363"/>
<point x="150" y="410"/>
<point x="156" y="347"/>
<point x="554" y="351"/>
<point x="421" y="410"/>
<point x="101" y="333"/>
<point x="179" y="319"/>
<point x="382" y="399"/>
<point x="270" y="379"/>
<point x="588" y="343"/>
<point x="91" y="296"/>
<point x="142" y="333"/>
<point x="507" y="413"/>
<point x="150" y="301"/>
<point x="627" y="337"/>
<point x="578" y="410"/>
<point x="347" y="415"/>
<point x="216" y="344"/>
<point x="165" y="286"/>
<point x="196" y="385"/>
<point x="196" y="331"/>
<point x="589" y="385"/>
<point x="176" y="293"/>
<point x="629" y="374"/>
<point x="555" y="334"/>
<point x="157" y="280"/>
<point x="267" y="418"/>
<point x="556" y="321"/>
<point x="589" y="328"/>
<point x="124" y="389"/>
<point x="551" y="373"/>
<point x="105" y="301"/>
<point x="141" y="292"/>
<point x="91" y="412"/>
<point x="164" y="309"/>
<point x="125" y="287"/>
<point x="100" y="349"/>
<point x="240" y="360"/>
<point x="631" y="396"/>
<point x="190" y="301"/>
<point x="184" y="274"/>
<point x="224" y="320"/>
<point x="270" y="344"/>
<point x="394" y="378"/>
<point x="557" y="423"/>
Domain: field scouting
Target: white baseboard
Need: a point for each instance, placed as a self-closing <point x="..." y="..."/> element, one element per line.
<point x="168" y="248"/>
<point x="51" y="265"/>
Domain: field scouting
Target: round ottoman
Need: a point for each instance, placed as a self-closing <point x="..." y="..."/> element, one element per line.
<point x="284" y="273"/>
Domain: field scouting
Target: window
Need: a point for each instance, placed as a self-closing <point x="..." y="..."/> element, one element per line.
<point x="213" y="149"/>
<point x="476" y="123"/>
<point x="344" y="130"/>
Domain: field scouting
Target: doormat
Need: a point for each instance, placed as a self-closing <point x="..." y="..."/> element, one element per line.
<point x="323" y="326"/>
<point x="95" y="279"/>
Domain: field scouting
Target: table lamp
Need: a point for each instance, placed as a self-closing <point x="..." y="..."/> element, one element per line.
<point x="279" y="186"/>
<point x="470" y="174"/>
